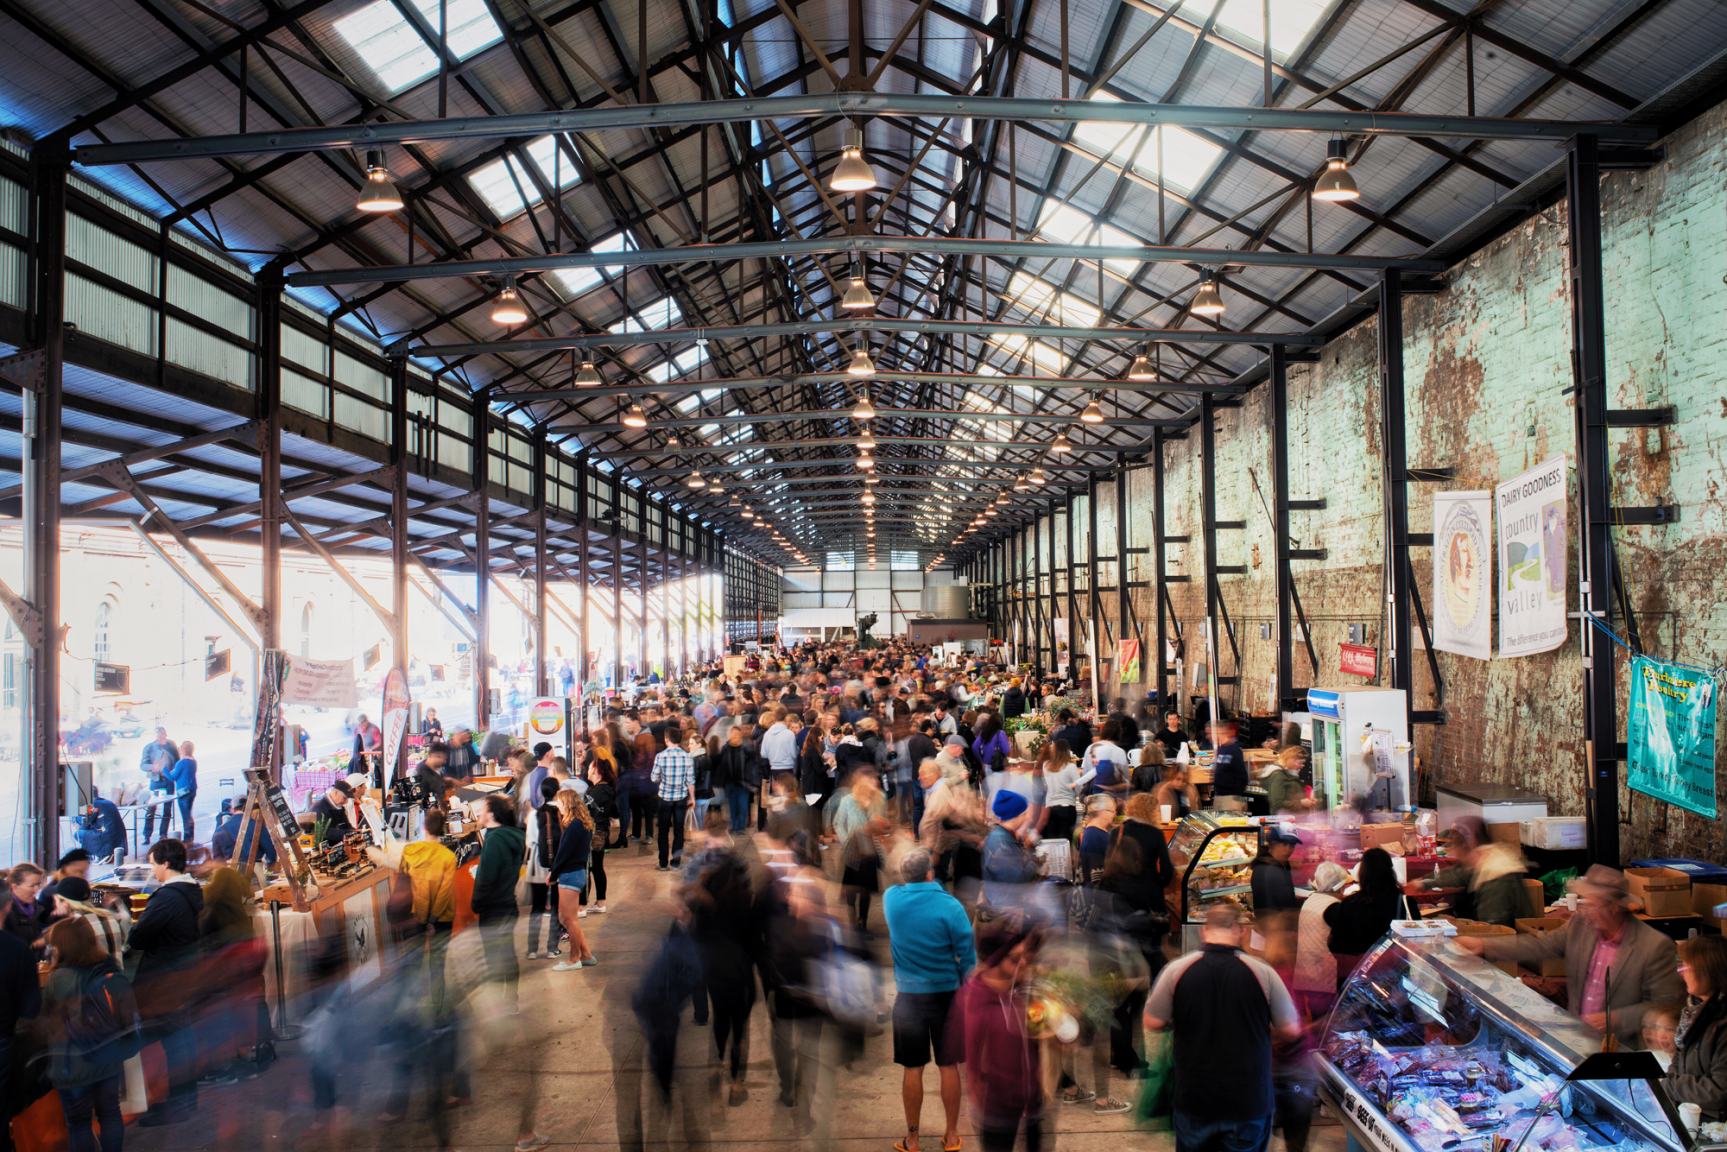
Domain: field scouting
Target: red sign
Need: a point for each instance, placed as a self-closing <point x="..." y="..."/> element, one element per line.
<point x="1358" y="660"/>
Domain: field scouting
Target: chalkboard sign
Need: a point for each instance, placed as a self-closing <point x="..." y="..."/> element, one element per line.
<point x="276" y="798"/>
<point x="115" y="678"/>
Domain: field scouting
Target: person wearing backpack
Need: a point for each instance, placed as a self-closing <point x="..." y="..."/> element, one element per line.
<point x="167" y="934"/>
<point x="91" y="1026"/>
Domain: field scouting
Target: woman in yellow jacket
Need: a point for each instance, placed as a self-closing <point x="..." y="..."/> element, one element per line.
<point x="431" y="871"/>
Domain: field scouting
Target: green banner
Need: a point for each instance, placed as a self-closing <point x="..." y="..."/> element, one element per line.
<point x="1672" y="744"/>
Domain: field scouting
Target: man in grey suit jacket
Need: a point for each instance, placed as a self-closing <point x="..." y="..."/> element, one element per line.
<point x="1616" y="966"/>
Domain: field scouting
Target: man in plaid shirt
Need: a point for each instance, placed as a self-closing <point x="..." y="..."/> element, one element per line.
<point x="674" y="776"/>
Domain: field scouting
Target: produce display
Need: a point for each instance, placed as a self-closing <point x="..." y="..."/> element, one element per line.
<point x="1436" y="1051"/>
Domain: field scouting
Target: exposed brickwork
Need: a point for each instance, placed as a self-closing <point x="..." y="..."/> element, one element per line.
<point x="1487" y="365"/>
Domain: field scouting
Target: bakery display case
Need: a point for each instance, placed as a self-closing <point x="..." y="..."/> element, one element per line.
<point x="1216" y="865"/>
<point x="1432" y="1049"/>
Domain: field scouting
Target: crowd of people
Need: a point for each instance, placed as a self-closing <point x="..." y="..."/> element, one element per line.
<point x="853" y="843"/>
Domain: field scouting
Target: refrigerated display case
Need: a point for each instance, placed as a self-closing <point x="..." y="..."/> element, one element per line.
<point x="1432" y="1049"/>
<point x="1217" y="867"/>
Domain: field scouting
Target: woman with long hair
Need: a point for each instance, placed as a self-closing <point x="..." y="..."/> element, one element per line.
<point x="545" y="829"/>
<point x="601" y="802"/>
<point x="86" y="1077"/>
<point x="1362" y="917"/>
<point x="1062" y="782"/>
<point x="991" y="742"/>
<point x="569" y="871"/>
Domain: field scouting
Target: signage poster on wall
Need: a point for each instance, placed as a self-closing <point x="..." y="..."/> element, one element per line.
<point x="1127" y="660"/>
<point x="1357" y="660"/>
<point x="1463" y="574"/>
<point x="1671" y="745"/>
<point x="1532" y="543"/>
<point x="1063" y="645"/>
<point x="319" y="683"/>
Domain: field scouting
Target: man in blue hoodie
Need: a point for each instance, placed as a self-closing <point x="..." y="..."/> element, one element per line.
<point x="930" y="937"/>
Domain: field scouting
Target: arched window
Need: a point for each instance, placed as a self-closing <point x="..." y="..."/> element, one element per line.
<point x="306" y="629"/>
<point x="99" y="637"/>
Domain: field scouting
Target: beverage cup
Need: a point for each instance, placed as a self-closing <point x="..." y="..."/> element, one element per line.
<point x="1165" y="812"/>
<point x="1691" y="1115"/>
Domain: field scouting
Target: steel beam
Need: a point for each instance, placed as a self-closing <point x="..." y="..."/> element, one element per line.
<point x="482" y="662"/>
<point x="268" y="420"/>
<point x="860" y="326"/>
<point x="1398" y="641"/>
<point x="542" y="647"/>
<point x="1208" y="536"/>
<point x="1160" y="589"/>
<point x="857" y="246"/>
<point x="884" y="414"/>
<point x="398" y="545"/>
<point x="1284" y="693"/>
<point x="856" y="105"/>
<point x="1594" y="535"/>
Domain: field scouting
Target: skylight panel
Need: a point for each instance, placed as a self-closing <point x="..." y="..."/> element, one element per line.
<point x="544" y="153"/>
<point x="1039" y="298"/>
<point x="1065" y="224"/>
<point x="688" y="403"/>
<point x="576" y="281"/>
<point x="396" y="51"/>
<point x="1291" y="20"/>
<point x="662" y="313"/>
<point x="1186" y="157"/>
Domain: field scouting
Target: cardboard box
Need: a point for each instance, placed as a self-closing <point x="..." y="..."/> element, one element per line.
<point x="1555" y="832"/>
<point x="1706" y="899"/>
<point x="1556" y="966"/>
<point x="1379" y="835"/>
<point x="1504" y="833"/>
<point x="1663" y="891"/>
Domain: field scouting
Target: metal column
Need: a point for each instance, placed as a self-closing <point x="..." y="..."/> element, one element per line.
<point x="1075" y="634"/>
<point x="617" y="595"/>
<point x="1595" y="541"/>
<point x="1093" y="598"/>
<point x="269" y="283"/>
<point x="642" y="559"/>
<point x="1285" y="687"/>
<point x="1123" y="606"/>
<point x="482" y="563"/>
<point x="1398" y="642"/>
<point x="542" y="646"/>
<point x="583" y="671"/>
<point x="41" y="468"/>
<point x="1208" y="534"/>
<point x="399" y="560"/>
<point x="1160" y="589"/>
<point x="1054" y="655"/>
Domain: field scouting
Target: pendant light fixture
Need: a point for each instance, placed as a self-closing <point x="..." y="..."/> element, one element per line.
<point x="1141" y="369"/>
<point x="1092" y="414"/>
<point x="868" y="497"/>
<point x="695" y="480"/>
<point x="866" y="441"/>
<point x="864" y="410"/>
<point x="872" y="478"/>
<point x="672" y="440"/>
<point x="857" y="298"/>
<point x="508" y="309"/>
<point x="1208" y="301"/>
<point x="1060" y="444"/>
<point x="747" y="514"/>
<point x="733" y="502"/>
<point x="853" y="173"/>
<point x="865" y="462"/>
<point x="1021" y="484"/>
<point x="635" y="417"/>
<point x="1037" y="476"/>
<point x="1001" y="498"/>
<point x="1335" y="183"/>
<point x="588" y="375"/>
<point x="861" y="364"/>
<point x="378" y="193"/>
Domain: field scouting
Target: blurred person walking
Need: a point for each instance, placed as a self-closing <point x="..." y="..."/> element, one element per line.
<point x="20" y="993"/>
<point x="91" y="1024"/>
<point x="26" y="916"/>
<point x="184" y="777"/>
<point x="1000" y="1055"/>
<point x="674" y="779"/>
<point x="1223" y="1009"/>
<point x="232" y="975"/>
<point x="930" y="939"/>
<point x="1008" y="861"/>
<point x="1315" y="965"/>
<point x="167" y="933"/>
<point x="727" y="925"/>
<point x="545" y="827"/>
<point x="159" y="756"/>
<point x="494" y="899"/>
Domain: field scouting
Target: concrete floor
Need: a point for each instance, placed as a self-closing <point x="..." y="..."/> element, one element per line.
<point x="558" y="1059"/>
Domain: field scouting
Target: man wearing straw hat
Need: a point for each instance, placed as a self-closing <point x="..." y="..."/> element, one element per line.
<point x="1616" y="966"/>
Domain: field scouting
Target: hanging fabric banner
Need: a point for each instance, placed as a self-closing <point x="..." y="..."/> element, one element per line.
<point x="1127" y="660"/>
<point x="1671" y="745"/>
<point x="1462" y="574"/>
<point x="1062" y="645"/>
<point x="1532" y="544"/>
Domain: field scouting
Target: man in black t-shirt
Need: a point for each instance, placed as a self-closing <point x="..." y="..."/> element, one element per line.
<point x="1224" y="1016"/>
<point x="1229" y="767"/>
<point x="1171" y="736"/>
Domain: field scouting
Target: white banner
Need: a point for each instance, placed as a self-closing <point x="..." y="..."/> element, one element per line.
<point x="320" y="683"/>
<point x="1532" y="546"/>
<point x="1463" y="574"/>
<point x="1063" y="645"/>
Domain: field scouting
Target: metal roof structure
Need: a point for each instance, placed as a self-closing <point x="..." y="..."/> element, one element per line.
<point x="694" y="140"/>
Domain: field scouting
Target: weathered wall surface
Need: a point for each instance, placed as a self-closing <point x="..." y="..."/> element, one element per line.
<point x="1487" y="369"/>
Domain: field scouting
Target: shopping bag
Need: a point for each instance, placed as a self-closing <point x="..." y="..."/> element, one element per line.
<point x="1157" y="1090"/>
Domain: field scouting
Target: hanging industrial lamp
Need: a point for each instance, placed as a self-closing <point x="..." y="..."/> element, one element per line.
<point x="635" y="417"/>
<point x="1335" y="183"/>
<point x="672" y="440"/>
<point x="853" y="173"/>
<point x="589" y="374"/>
<point x="865" y="462"/>
<point x="857" y="298"/>
<point x="1021" y="484"/>
<point x="695" y="480"/>
<point x="1060" y="444"/>
<point x="1037" y="476"/>
<point x="861" y="364"/>
<point x="866" y="441"/>
<point x="378" y="193"/>
<point x="1141" y="369"/>
<point x="1208" y="301"/>
<point x="864" y="410"/>
<point x="1092" y="414"/>
<point x="872" y="478"/>
<point x="869" y="497"/>
<point x="508" y="309"/>
<point x="747" y="514"/>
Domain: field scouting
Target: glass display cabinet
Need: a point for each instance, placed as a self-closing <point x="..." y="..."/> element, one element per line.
<point x="1432" y="1049"/>
<point x="1216" y="864"/>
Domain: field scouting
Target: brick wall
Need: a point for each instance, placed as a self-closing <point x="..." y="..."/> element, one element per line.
<point x="1487" y="364"/>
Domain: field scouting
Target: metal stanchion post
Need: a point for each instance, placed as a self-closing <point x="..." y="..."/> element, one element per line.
<point x="284" y="1030"/>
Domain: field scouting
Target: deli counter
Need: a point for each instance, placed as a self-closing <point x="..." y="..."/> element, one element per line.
<point x="1432" y="1049"/>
